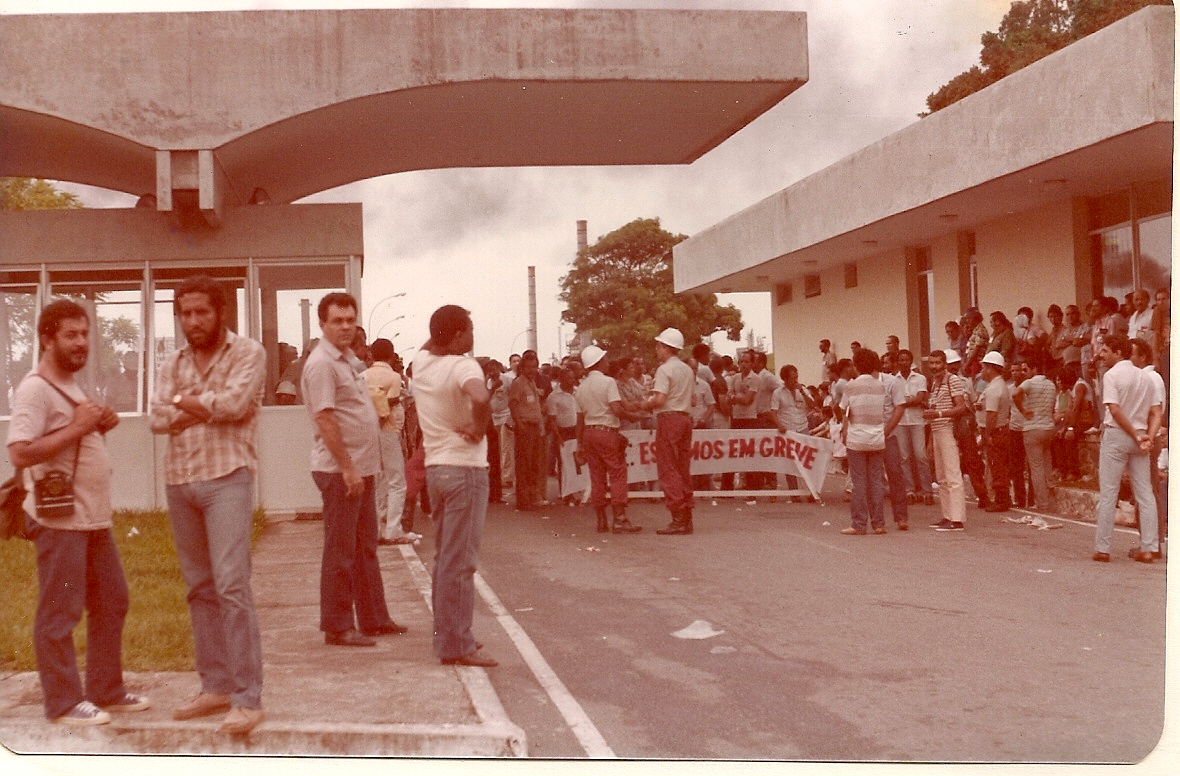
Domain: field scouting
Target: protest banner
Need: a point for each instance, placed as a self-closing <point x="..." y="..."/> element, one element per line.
<point x="716" y="451"/>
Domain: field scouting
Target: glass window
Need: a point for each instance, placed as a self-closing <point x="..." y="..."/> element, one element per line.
<point x="1155" y="253"/>
<point x="1116" y="252"/>
<point x="114" y="372"/>
<point x="18" y="326"/>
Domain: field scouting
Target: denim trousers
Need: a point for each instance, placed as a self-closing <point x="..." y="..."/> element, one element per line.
<point x="866" y="469"/>
<point x="459" y="495"/>
<point x="1119" y="453"/>
<point x="211" y="525"/>
<point x="897" y="502"/>
<point x="79" y="571"/>
<point x="912" y="440"/>
<point x="350" y="575"/>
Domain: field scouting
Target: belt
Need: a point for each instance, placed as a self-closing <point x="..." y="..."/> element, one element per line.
<point x="599" y="427"/>
<point x="672" y="412"/>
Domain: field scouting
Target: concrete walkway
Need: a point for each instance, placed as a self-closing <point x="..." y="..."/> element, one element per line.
<point x="394" y="699"/>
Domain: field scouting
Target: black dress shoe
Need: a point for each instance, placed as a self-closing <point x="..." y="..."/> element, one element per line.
<point x="348" y="638"/>
<point x="996" y="508"/>
<point x="475" y="658"/>
<point x="390" y="628"/>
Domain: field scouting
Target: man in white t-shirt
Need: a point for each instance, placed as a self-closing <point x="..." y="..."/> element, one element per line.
<point x="454" y="407"/>
<point x="1134" y="412"/>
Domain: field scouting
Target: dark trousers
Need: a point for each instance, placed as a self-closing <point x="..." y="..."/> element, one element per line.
<point x="495" y="485"/>
<point x="606" y="455"/>
<point x="896" y="476"/>
<point x="1017" y="466"/>
<point x="350" y="575"/>
<point x="529" y="450"/>
<point x="79" y="571"/>
<point x="997" y="460"/>
<point x="750" y="480"/>
<point x="970" y="462"/>
<point x="674" y="458"/>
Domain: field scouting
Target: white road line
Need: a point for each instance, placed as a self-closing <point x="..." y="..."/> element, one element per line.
<point x="577" y="719"/>
<point x="1061" y="519"/>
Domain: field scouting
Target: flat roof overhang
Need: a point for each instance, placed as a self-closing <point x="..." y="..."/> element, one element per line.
<point x="1090" y="119"/>
<point x="299" y="102"/>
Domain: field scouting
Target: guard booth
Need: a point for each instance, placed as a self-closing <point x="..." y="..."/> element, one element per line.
<point x="123" y="265"/>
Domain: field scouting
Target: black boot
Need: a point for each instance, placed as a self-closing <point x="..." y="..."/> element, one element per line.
<point x="681" y="524"/>
<point x="603" y="523"/>
<point x="622" y="524"/>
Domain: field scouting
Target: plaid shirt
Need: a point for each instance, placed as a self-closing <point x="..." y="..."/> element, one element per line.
<point x="231" y="389"/>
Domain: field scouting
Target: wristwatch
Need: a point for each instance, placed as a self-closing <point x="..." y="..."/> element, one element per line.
<point x="176" y="399"/>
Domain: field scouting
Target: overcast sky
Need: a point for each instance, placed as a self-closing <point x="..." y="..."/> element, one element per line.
<point x="468" y="236"/>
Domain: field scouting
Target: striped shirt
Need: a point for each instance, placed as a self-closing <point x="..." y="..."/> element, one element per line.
<point x="1038" y="397"/>
<point x="230" y="388"/>
<point x="942" y="398"/>
<point x="864" y="404"/>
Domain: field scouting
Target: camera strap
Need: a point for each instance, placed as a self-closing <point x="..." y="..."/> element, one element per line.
<point x="73" y="403"/>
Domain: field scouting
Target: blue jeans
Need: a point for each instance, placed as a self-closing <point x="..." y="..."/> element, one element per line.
<point x="1117" y="454"/>
<point x="211" y="523"/>
<point x="459" y="496"/>
<point x="76" y="571"/>
<point x="866" y="469"/>
<point x="912" y="441"/>
<point x="350" y="574"/>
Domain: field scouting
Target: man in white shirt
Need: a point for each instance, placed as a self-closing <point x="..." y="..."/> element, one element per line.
<point x="600" y="409"/>
<point x="911" y="432"/>
<point x="671" y="400"/>
<point x="1134" y="412"/>
<point x="1139" y="324"/>
<point x="1141" y="357"/>
<point x="454" y="407"/>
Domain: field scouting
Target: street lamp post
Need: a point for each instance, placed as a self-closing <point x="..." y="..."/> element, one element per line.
<point x="394" y="320"/>
<point x="373" y="309"/>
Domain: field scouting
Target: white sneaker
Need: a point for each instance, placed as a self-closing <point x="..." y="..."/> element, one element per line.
<point x="83" y="715"/>
<point x="129" y="702"/>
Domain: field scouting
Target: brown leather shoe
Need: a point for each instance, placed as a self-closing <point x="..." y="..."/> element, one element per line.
<point x="240" y="721"/>
<point x="476" y="658"/>
<point x="1135" y="551"/>
<point x="203" y="705"/>
<point x="853" y="531"/>
<point x="1142" y="557"/>
<point x="390" y="628"/>
<point x="880" y="530"/>
<point x="1102" y="557"/>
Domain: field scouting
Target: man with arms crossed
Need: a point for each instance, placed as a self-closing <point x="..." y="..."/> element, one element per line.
<point x="345" y="460"/>
<point x="56" y="427"/>
<point x="207" y="402"/>
<point x="454" y="407"/>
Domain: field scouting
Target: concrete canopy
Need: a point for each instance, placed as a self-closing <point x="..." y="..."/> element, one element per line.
<point x="297" y="102"/>
<point x="1084" y="121"/>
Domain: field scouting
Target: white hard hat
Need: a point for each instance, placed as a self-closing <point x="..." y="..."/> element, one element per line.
<point x="672" y="338"/>
<point x="286" y="387"/>
<point x="994" y="358"/>
<point x="592" y="355"/>
<point x="952" y="356"/>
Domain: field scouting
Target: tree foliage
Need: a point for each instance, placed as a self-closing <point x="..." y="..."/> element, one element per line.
<point x="1031" y="30"/>
<point x="620" y="291"/>
<point x="34" y="194"/>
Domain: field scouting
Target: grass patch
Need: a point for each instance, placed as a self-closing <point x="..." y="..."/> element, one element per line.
<point x="157" y="635"/>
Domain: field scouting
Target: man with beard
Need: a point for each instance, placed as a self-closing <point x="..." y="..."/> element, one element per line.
<point x="56" y="432"/>
<point x="207" y="402"/>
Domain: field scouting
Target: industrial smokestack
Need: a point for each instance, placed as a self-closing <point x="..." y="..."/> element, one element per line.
<point x="582" y="244"/>
<point x="532" y="308"/>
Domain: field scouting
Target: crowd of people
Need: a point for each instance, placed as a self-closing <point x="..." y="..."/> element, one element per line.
<point x="1002" y="408"/>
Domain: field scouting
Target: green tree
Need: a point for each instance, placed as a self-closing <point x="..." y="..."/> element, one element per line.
<point x="34" y="194"/>
<point x="620" y="291"/>
<point x="1031" y="30"/>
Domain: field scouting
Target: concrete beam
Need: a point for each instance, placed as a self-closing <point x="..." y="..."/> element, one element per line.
<point x="295" y="102"/>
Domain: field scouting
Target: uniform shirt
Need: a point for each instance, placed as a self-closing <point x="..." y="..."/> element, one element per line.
<point x="914" y="385"/>
<point x="997" y="399"/>
<point x="790" y="408"/>
<point x="330" y="382"/>
<point x="674" y="379"/>
<point x="231" y="390"/>
<point x="894" y="394"/>
<point x="702" y="398"/>
<point x="1040" y="396"/>
<point x="38" y="410"/>
<point x="524" y="400"/>
<point x="1129" y="387"/>
<point x="1015" y="418"/>
<point x="562" y="407"/>
<point x="863" y="401"/>
<point x="595" y="394"/>
<point x="443" y="407"/>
